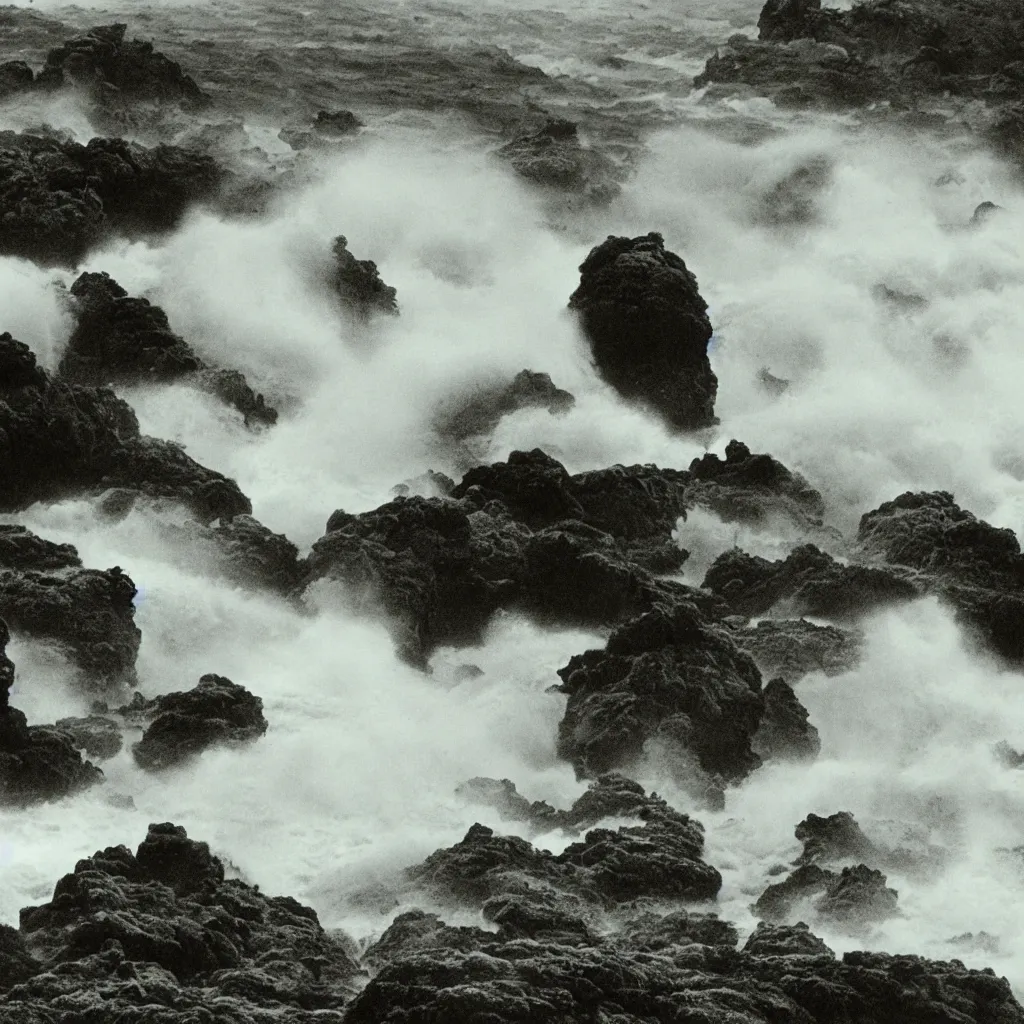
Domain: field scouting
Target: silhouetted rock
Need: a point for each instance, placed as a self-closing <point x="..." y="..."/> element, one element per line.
<point x="123" y="340"/>
<point x="784" y="733"/>
<point x="359" y="285"/>
<point x="793" y="648"/>
<point x="983" y="212"/>
<point x="37" y="763"/>
<point x="671" y="678"/>
<point x="835" y="838"/>
<point x="58" y="440"/>
<point x="59" y="199"/>
<point x="854" y="897"/>
<point x="648" y="328"/>
<point x="180" y="726"/>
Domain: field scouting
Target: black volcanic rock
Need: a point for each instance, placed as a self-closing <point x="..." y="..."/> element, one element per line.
<point x="88" y="613"/>
<point x="835" y="838"/>
<point x="481" y="411"/>
<point x="648" y="328"/>
<point x="180" y="726"/>
<point x="806" y="582"/>
<point x="58" y="440"/>
<point x="976" y="568"/>
<point x="359" y="285"/>
<point x="15" y="76"/>
<point x="37" y="763"/>
<point x="59" y="199"/>
<point x="669" y="677"/>
<point x="784" y="733"/>
<point x="114" y="70"/>
<point x="123" y="340"/>
<point x="554" y="156"/>
<point x="161" y="935"/>
<point x="21" y="549"/>
<point x="793" y="648"/>
<point x="98" y="736"/>
<point x="785" y="940"/>
<point x="661" y="858"/>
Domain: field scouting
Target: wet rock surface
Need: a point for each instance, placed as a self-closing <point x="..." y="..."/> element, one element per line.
<point x="648" y="328"/>
<point x="119" y="339"/>
<point x="792" y="648"/>
<point x="59" y="439"/>
<point x="180" y="726"/>
<point x="359" y="285"/>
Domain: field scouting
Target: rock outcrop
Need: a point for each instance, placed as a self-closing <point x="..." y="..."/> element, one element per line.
<point x="123" y="340"/>
<point x="359" y="285"/>
<point x="58" y="439"/>
<point x="180" y="726"/>
<point x="59" y="199"/>
<point x="648" y="328"/>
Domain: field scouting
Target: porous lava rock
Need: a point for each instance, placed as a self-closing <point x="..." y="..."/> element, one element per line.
<point x="119" y="339"/>
<point x="162" y="935"/>
<point x="37" y="763"/>
<point x="648" y="328"/>
<point x="59" y="199"/>
<point x="359" y="285"/>
<point x="785" y="940"/>
<point x="59" y="440"/>
<point x="672" y="679"/>
<point x="180" y="726"/>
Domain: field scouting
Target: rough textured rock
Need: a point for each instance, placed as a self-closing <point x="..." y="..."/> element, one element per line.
<point x="785" y="940"/>
<point x="976" y="568"/>
<point x="835" y="838"/>
<point x="37" y="763"/>
<point x="180" y="726"/>
<point x="59" y="199"/>
<point x="661" y="858"/>
<point x="554" y="156"/>
<point x="792" y="648"/>
<point x="668" y="678"/>
<point x="856" y="896"/>
<point x="58" y="440"/>
<point x="123" y="340"/>
<point x="480" y="412"/>
<point x="88" y="613"/>
<point x="648" y="328"/>
<point x="98" y="736"/>
<point x="359" y="285"/>
<point x="784" y="733"/>
<point x="327" y="126"/>
<point x="114" y="70"/>
<point x="162" y="936"/>
<point x="21" y="549"/>
<point x="806" y="582"/>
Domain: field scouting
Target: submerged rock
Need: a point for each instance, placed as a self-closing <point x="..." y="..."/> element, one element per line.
<point x="648" y="328"/>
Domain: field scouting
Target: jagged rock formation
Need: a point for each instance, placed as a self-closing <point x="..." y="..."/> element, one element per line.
<point x="359" y="285"/>
<point x="123" y="340"/>
<point x="976" y="568"/>
<point x="38" y="762"/>
<point x="58" y="440"/>
<point x="180" y="726"/>
<point x="162" y="935"/>
<point x="59" y="199"/>
<point x="553" y="156"/>
<point x="854" y="897"/>
<point x="98" y="736"/>
<point x="648" y="328"/>
<point x="835" y="838"/>
<point x="784" y="732"/>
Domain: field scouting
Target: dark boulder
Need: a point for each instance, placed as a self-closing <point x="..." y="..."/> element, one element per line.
<point x="21" y="549"/>
<point x="37" y="763"/>
<point x="59" y="440"/>
<point x="15" y="76"/>
<point x="59" y="199"/>
<point x="648" y="328"/>
<point x="180" y="726"/>
<point x="98" y="736"/>
<point x="671" y="678"/>
<point x="835" y="838"/>
<point x="784" y="733"/>
<point x="359" y="285"/>
<point x="785" y="940"/>
<point x="856" y="896"/>
<point x="123" y="340"/>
